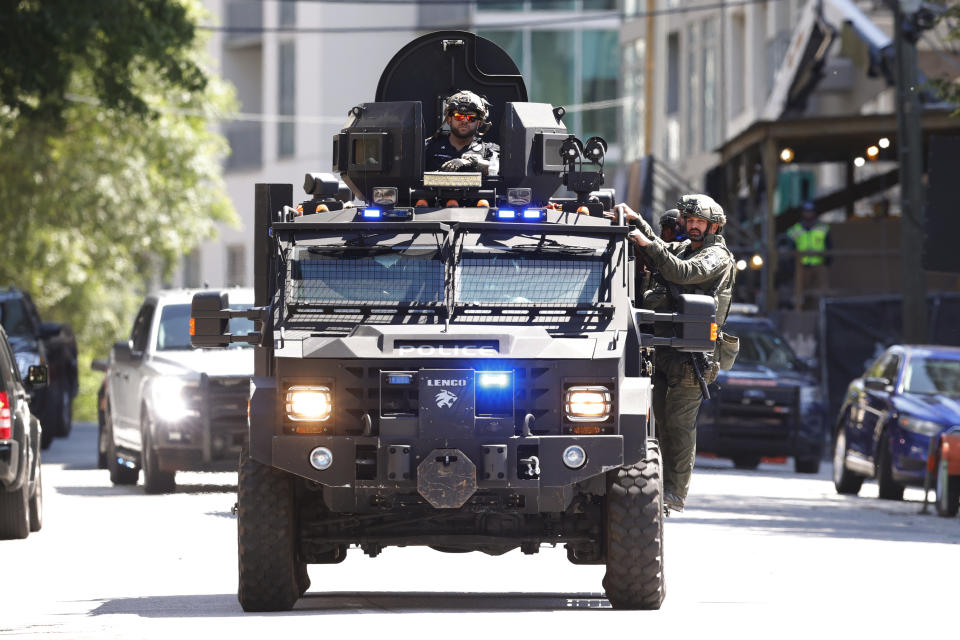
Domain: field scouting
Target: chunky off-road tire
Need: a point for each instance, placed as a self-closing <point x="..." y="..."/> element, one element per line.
<point x="15" y="513"/>
<point x="154" y="479"/>
<point x="36" y="501"/>
<point x="845" y="481"/>
<point x="889" y="489"/>
<point x="746" y="462"/>
<point x="948" y="491"/>
<point x="634" y="534"/>
<point x="271" y="577"/>
<point x="119" y="474"/>
<point x="102" y="447"/>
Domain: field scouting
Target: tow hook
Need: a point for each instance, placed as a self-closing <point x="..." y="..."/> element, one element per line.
<point x="533" y="466"/>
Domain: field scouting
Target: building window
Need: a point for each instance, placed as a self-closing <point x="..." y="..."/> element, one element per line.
<point x="236" y="265"/>
<point x="191" y="269"/>
<point x="738" y="28"/>
<point x="287" y="98"/>
<point x="601" y="69"/>
<point x="694" y="99"/>
<point x="634" y="110"/>
<point x="287" y="16"/>
<point x="552" y="67"/>
<point x="709" y="49"/>
<point x="673" y="72"/>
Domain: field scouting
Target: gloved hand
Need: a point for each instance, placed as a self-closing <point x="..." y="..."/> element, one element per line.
<point x="468" y="162"/>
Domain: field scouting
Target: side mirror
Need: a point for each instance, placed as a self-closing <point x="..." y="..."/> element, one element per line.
<point x="696" y="321"/>
<point x="123" y="351"/>
<point x="209" y="317"/>
<point x="99" y="365"/>
<point x="37" y="376"/>
<point x="876" y="384"/>
<point x="49" y="330"/>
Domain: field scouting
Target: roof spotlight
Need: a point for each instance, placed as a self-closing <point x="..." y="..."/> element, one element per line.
<point x="786" y="155"/>
<point x="884" y="143"/>
<point x="873" y="151"/>
<point x="595" y="149"/>
<point x="571" y="150"/>
<point x="859" y="162"/>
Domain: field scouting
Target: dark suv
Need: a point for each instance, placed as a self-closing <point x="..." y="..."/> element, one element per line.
<point x="48" y="343"/>
<point x="768" y="405"/>
<point x="21" y="493"/>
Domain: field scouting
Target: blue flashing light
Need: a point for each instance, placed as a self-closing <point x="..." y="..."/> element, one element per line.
<point x="400" y="379"/>
<point x="533" y="214"/>
<point x="372" y="213"/>
<point x="506" y="214"/>
<point x="494" y="380"/>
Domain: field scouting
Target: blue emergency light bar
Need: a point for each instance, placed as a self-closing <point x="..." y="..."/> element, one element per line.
<point x="534" y="214"/>
<point x="400" y="378"/>
<point x="506" y="214"/>
<point x="372" y="214"/>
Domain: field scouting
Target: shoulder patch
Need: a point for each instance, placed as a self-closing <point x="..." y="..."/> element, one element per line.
<point x="711" y="260"/>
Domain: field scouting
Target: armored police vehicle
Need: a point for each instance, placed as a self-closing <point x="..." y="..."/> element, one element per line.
<point x="456" y="362"/>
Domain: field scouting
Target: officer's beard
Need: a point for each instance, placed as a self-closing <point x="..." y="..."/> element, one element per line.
<point x="463" y="138"/>
<point x="695" y="235"/>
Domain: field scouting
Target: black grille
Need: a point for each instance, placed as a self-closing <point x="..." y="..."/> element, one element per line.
<point x="380" y="279"/>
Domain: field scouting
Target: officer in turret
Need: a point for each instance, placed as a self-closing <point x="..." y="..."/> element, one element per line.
<point x="467" y="115"/>
<point x="700" y="264"/>
<point x="671" y="227"/>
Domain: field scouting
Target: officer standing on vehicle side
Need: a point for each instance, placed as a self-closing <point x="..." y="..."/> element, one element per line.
<point x="467" y="115"/>
<point x="700" y="264"/>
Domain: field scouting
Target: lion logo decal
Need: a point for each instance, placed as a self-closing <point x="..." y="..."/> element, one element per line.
<point x="445" y="399"/>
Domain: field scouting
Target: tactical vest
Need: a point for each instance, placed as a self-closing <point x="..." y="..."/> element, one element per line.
<point x="812" y="239"/>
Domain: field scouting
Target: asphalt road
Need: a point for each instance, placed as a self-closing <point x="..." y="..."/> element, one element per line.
<point x="763" y="554"/>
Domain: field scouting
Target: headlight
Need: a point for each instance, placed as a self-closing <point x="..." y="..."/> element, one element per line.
<point x="25" y="360"/>
<point x="809" y="395"/>
<point x="170" y="398"/>
<point x="309" y="404"/>
<point x="921" y="427"/>
<point x="588" y="404"/>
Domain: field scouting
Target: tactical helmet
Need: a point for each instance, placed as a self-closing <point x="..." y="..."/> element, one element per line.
<point x="468" y="102"/>
<point x="670" y="218"/>
<point x="701" y="206"/>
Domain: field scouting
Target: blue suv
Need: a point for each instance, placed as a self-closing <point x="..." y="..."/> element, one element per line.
<point x="909" y="395"/>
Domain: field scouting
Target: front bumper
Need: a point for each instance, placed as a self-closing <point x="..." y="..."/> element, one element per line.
<point x="788" y="431"/>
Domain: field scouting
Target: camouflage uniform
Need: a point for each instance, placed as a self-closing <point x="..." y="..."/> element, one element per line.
<point x="708" y="270"/>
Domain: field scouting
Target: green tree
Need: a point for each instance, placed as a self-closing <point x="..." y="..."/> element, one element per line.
<point x="109" y="171"/>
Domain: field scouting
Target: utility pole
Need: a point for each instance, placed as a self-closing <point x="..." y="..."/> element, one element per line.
<point x="910" y="152"/>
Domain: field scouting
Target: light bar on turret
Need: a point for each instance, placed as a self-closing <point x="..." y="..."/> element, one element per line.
<point x="452" y="179"/>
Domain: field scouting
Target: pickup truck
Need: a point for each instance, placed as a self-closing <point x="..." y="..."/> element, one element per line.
<point x="169" y="407"/>
<point x="34" y="343"/>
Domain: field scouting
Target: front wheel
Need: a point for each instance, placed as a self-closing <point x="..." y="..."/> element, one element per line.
<point x="271" y="576"/>
<point x="634" y="534"/>
<point x="845" y="481"/>
<point x="36" y="501"/>
<point x="155" y="480"/>
<point x="948" y="491"/>
<point x="889" y="489"/>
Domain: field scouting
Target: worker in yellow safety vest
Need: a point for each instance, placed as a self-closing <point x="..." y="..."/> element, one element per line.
<point x="811" y="235"/>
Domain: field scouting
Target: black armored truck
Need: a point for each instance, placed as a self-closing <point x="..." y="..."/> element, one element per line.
<point x="450" y="359"/>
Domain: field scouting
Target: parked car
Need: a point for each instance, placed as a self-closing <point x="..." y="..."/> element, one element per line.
<point x="909" y="395"/>
<point x="948" y="472"/>
<point x="169" y="407"/>
<point x="21" y="488"/>
<point x="768" y="405"/>
<point x="48" y="343"/>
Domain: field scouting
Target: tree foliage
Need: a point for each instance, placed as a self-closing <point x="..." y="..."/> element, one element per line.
<point x="108" y="168"/>
<point x="949" y="23"/>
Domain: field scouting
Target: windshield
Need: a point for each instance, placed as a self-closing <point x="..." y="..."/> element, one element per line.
<point x="764" y="347"/>
<point x="13" y="315"/>
<point x="530" y="278"/>
<point x="174" y="331"/>
<point x="386" y="276"/>
<point x="932" y="375"/>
